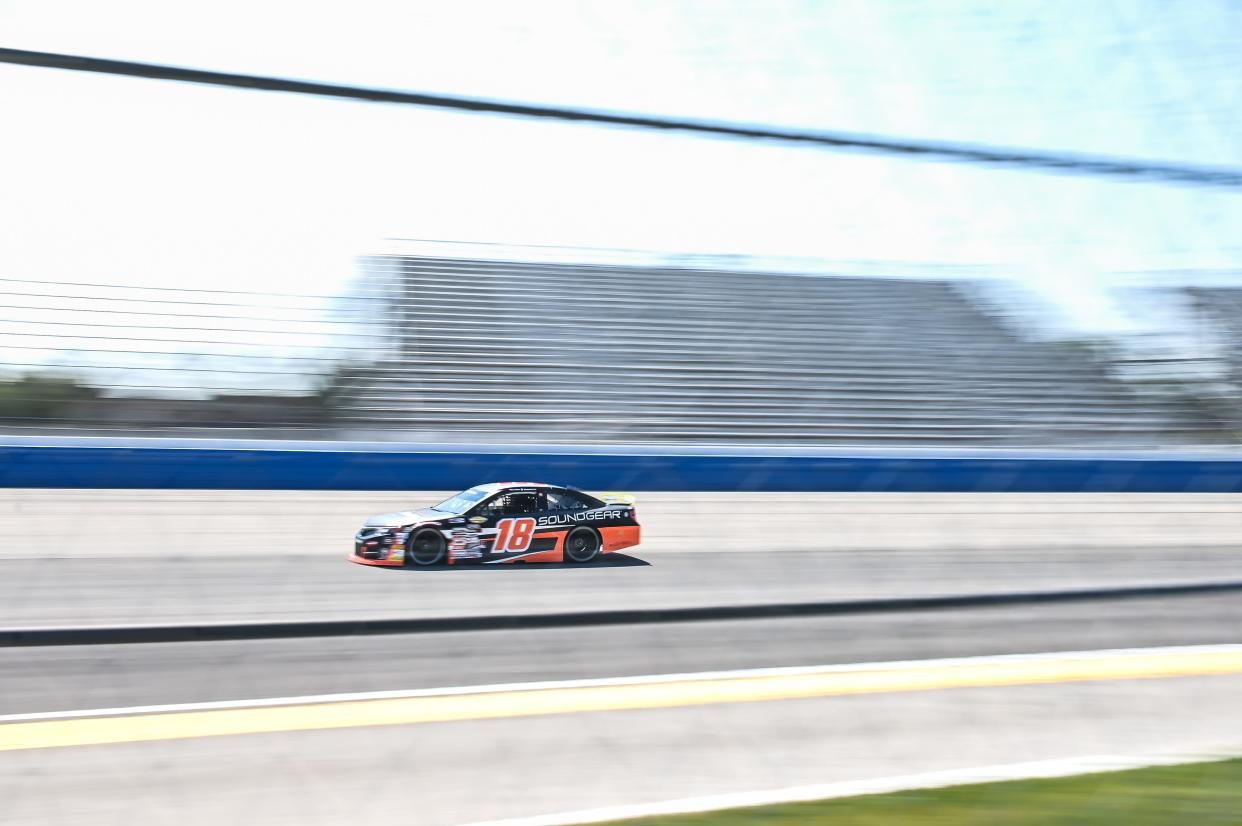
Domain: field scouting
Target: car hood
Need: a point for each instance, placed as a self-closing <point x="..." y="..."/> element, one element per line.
<point x="399" y="518"/>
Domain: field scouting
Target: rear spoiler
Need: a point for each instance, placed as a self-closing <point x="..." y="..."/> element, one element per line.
<point x="617" y="498"/>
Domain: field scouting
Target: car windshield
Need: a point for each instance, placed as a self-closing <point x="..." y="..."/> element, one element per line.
<point x="462" y="502"/>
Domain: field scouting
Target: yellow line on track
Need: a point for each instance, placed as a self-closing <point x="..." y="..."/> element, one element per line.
<point x="832" y="681"/>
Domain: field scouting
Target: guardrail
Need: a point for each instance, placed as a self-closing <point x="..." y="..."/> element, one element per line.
<point x="86" y="462"/>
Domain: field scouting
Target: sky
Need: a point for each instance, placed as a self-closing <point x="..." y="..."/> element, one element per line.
<point x="138" y="182"/>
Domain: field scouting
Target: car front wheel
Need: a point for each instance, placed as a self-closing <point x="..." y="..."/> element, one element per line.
<point x="426" y="548"/>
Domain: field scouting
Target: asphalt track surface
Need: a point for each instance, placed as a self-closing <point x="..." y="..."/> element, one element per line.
<point x="255" y="586"/>
<point x="473" y="770"/>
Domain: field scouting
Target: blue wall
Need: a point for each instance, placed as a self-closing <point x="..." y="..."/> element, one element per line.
<point x="239" y="465"/>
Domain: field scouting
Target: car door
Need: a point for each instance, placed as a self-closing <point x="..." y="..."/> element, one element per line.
<point x="508" y="521"/>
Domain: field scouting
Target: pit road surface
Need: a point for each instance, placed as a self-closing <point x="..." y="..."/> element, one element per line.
<point x="470" y="770"/>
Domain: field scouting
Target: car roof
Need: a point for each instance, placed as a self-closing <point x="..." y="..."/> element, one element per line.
<point x="493" y="487"/>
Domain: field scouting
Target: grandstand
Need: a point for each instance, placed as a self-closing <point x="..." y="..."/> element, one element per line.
<point x="539" y="351"/>
<point x="1218" y="310"/>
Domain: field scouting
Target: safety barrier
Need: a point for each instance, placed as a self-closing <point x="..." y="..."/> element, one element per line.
<point x="84" y="462"/>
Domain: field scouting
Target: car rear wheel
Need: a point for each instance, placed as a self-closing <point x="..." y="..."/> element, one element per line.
<point x="426" y="548"/>
<point x="582" y="545"/>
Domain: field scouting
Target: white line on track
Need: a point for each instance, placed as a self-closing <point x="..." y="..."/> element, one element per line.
<point x="1064" y="767"/>
<point x="650" y="679"/>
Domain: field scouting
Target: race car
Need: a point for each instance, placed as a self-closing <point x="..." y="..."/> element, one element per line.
<point x="501" y="522"/>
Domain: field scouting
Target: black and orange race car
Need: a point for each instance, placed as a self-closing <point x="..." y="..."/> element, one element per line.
<point x="501" y="522"/>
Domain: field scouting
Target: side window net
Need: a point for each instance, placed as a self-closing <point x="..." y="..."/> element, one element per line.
<point x="512" y="504"/>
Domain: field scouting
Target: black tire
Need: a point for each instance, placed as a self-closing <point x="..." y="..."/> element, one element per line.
<point x="581" y="546"/>
<point x="425" y="548"/>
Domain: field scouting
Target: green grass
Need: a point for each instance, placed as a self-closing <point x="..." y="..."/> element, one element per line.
<point x="1200" y="794"/>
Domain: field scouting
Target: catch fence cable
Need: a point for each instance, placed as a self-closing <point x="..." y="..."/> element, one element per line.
<point x="1020" y="158"/>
